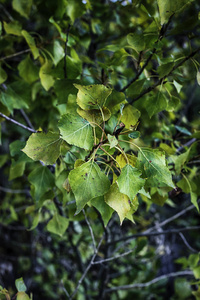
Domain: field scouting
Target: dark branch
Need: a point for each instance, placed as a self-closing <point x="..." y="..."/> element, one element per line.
<point x="17" y="123"/>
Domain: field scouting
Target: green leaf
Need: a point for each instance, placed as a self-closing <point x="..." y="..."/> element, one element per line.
<point x="63" y="88"/>
<point x="22" y="6"/>
<point x="76" y="131"/>
<point x="47" y="80"/>
<point x="13" y="27"/>
<point x="165" y="69"/>
<point x="92" y="96"/>
<point x="3" y="75"/>
<point x="43" y="146"/>
<point x="173" y="103"/>
<point x="42" y="180"/>
<point x="58" y="224"/>
<point x="113" y="101"/>
<point x="31" y="42"/>
<point x="113" y="141"/>
<point x="169" y="7"/>
<point x="134" y="135"/>
<point x="153" y="164"/>
<point x="20" y="286"/>
<point x="155" y="103"/>
<point x="130" y="116"/>
<point x="136" y="41"/>
<point x="118" y="201"/>
<point x="183" y="130"/>
<point x="129" y="181"/>
<point x="105" y="210"/>
<point x="181" y="160"/>
<point x="28" y="70"/>
<point x="75" y="9"/>
<point x="88" y="182"/>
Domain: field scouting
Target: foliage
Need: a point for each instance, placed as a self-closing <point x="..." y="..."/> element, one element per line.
<point x="108" y="90"/>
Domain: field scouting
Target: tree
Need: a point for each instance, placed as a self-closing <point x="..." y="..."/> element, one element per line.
<point x="100" y="148"/>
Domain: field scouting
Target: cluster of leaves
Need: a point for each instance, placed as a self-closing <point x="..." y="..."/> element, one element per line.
<point x="105" y="86"/>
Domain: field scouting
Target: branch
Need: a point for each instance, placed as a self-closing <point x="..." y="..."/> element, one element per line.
<point x="113" y="258"/>
<point x="148" y="283"/>
<point x="15" y="54"/>
<point x="163" y="30"/>
<point x="186" y="243"/>
<point x="162" y="80"/>
<point x="90" y="229"/>
<point x="17" y="123"/>
<point x="26" y="118"/>
<point x="66" y="42"/>
<point x="87" y="269"/>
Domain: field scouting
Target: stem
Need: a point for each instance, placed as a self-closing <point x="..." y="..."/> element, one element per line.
<point x="66" y="42"/>
<point x="17" y="123"/>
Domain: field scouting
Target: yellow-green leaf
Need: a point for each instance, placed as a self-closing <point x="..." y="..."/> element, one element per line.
<point x="22" y="6"/>
<point x="58" y="224"/>
<point x="130" y="116"/>
<point x="31" y="42"/>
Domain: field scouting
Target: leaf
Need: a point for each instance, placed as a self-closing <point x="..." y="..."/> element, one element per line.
<point x="22" y="6"/>
<point x="47" y="80"/>
<point x="183" y="130"/>
<point x="58" y="224"/>
<point x="3" y="75"/>
<point x="13" y="27"/>
<point x="105" y="210"/>
<point x="181" y="160"/>
<point x="136" y="41"/>
<point x="118" y="201"/>
<point x="155" y="104"/>
<point x="22" y="296"/>
<point x="94" y="116"/>
<point x="28" y="70"/>
<point x="173" y="103"/>
<point x="42" y="179"/>
<point x="153" y="164"/>
<point x="130" y="116"/>
<point x="134" y="135"/>
<point x="43" y="146"/>
<point x="20" y="286"/>
<point x="76" y="131"/>
<point x="169" y="7"/>
<point x="198" y="77"/>
<point x="121" y="159"/>
<point x="92" y="96"/>
<point x="113" y="141"/>
<point x="129" y="181"/>
<point x="31" y="42"/>
<point x="113" y="101"/>
<point x="165" y="69"/>
<point x="88" y="182"/>
<point x="63" y="88"/>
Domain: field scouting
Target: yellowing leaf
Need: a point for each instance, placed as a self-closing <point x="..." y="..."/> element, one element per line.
<point x="43" y="146"/>
<point x="22" y="296"/>
<point x="118" y="201"/>
<point x="94" y="116"/>
<point x="92" y="96"/>
<point x="88" y="182"/>
<point x="130" y="116"/>
<point x="58" y="224"/>
<point x="76" y="131"/>
<point x="31" y="42"/>
<point x="122" y="160"/>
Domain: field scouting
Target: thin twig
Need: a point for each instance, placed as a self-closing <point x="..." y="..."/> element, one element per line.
<point x="87" y="269"/>
<point x="163" y="30"/>
<point x="66" y="42"/>
<point x="26" y="118"/>
<point x="113" y="258"/>
<point x="90" y="229"/>
<point x="10" y="191"/>
<point x="146" y="284"/>
<point x="186" y="243"/>
<point x="17" y="123"/>
<point x="15" y="54"/>
<point x="162" y="80"/>
<point x="189" y="143"/>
